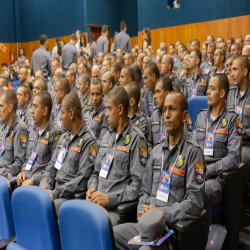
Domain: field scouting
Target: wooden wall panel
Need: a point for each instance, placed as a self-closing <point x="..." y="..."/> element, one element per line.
<point x="230" y="27"/>
<point x="5" y="56"/>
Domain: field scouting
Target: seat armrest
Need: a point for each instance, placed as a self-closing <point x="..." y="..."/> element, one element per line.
<point x="80" y="195"/>
<point x="5" y="243"/>
<point x="186" y="225"/>
<point x="232" y="173"/>
<point x="127" y="207"/>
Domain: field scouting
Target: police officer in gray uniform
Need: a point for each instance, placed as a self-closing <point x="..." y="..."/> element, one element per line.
<point x="219" y="133"/>
<point x="167" y="65"/>
<point x="51" y="83"/>
<point x="13" y="134"/>
<point x="138" y="118"/>
<point x="209" y="66"/>
<point x="71" y="76"/>
<point x="240" y="101"/>
<point x="62" y="88"/>
<point x="157" y="133"/>
<point x="186" y="73"/>
<point x="176" y="163"/>
<point x="41" y="58"/>
<point x="73" y="161"/>
<point x="102" y="43"/>
<point x="23" y="95"/>
<point x="197" y="85"/>
<point x="219" y="58"/>
<point x="121" y="159"/>
<point x="69" y="53"/>
<point x="84" y="88"/>
<point x="122" y="39"/>
<point x="42" y="141"/>
<point x="151" y="77"/>
<point x="96" y="117"/>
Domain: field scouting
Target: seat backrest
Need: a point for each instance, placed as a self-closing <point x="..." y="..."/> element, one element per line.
<point x="7" y="228"/>
<point x="195" y="104"/>
<point x="85" y="224"/>
<point x="35" y="219"/>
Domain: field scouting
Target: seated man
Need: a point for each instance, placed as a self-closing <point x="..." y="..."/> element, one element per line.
<point x="120" y="163"/>
<point x="218" y="132"/>
<point x="42" y="143"/>
<point x="84" y="86"/>
<point x="95" y="118"/>
<point x="108" y="83"/>
<point x="62" y="88"/>
<point x="73" y="161"/>
<point x="138" y="118"/>
<point x="157" y="133"/>
<point x="71" y="76"/>
<point x="13" y="135"/>
<point x="23" y="96"/>
<point x="180" y="160"/>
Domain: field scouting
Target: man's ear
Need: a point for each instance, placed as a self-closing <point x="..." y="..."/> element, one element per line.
<point x="120" y="109"/>
<point x="185" y="116"/>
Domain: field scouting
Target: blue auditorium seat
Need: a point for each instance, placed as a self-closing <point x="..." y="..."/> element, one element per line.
<point x="35" y="220"/>
<point x="83" y="223"/>
<point x="195" y="104"/>
<point x="7" y="229"/>
<point x="16" y="85"/>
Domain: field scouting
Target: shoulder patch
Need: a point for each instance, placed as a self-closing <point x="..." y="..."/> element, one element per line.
<point x="23" y="140"/>
<point x="57" y="137"/>
<point x="143" y="155"/>
<point x="92" y="153"/>
<point x="199" y="172"/>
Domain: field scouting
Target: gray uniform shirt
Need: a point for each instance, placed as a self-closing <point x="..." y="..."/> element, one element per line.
<point x="234" y="99"/>
<point x="176" y="82"/>
<point x="102" y="45"/>
<point x="122" y="41"/>
<point x="45" y="145"/>
<point x="77" y="165"/>
<point x="69" y="55"/>
<point x="93" y="50"/>
<point x="227" y="140"/>
<point x="41" y="59"/>
<point x="124" y="178"/>
<point x="200" y="83"/>
<point x="140" y="121"/>
<point x="15" y="145"/>
<point x="186" y="194"/>
<point x="86" y="104"/>
<point x="25" y="115"/>
<point x="148" y="101"/>
<point x="97" y="122"/>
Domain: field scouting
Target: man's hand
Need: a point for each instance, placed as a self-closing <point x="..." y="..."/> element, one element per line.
<point x="28" y="182"/>
<point x="20" y="178"/>
<point x="48" y="190"/>
<point x="145" y="209"/>
<point x="100" y="199"/>
<point x="89" y="194"/>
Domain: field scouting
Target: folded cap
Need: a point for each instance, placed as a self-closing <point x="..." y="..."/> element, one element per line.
<point x="151" y="225"/>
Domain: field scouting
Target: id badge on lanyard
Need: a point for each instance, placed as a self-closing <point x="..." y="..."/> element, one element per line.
<point x="193" y="92"/>
<point x="238" y="111"/>
<point x="209" y="144"/>
<point x="31" y="160"/>
<point x="61" y="157"/>
<point x="106" y="164"/>
<point x="164" y="186"/>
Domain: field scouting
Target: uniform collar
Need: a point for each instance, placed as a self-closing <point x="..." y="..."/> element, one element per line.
<point x="179" y="144"/>
<point x="137" y="114"/>
<point x="199" y="74"/>
<point x="16" y="119"/>
<point x="24" y="111"/>
<point x="209" y="113"/>
<point x="126" y="128"/>
<point x="47" y="127"/>
<point x="101" y="107"/>
<point x="246" y="91"/>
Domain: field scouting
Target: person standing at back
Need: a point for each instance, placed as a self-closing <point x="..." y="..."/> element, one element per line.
<point x="122" y="39"/>
<point x="41" y="58"/>
<point x="102" y="43"/>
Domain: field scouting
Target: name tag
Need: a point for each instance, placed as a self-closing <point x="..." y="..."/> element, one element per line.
<point x="76" y="149"/>
<point x="98" y="119"/>
<point x="163" y="186"/>
<point x="202" y="84"/>
<point x="247" y="106"/>
<point x="177" y="171"/>
<point x="106" y="164"/>
<point x="44" y="141"/>
<point x="31" y="160"/>
<point x="209" y="144"/>
<point x="60" y="159"/>
<point x="122" y="148"/>
<point x="9" y="140"/>
<point x="221" y="131"/>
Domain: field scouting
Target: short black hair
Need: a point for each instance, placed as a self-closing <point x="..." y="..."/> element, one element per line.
<point x="26" y="89"/>
<point x="244" y="63"/>
<point x="111" y="77"/>
<point x="104" y="28"/>
<point x="64" y="84"/>
<point x="73" y="37"/>
<point x="4" y="81"/>
<point x="43" y="39"/>
<point x="198" y="55"/>
<point x="182" y="100"/>
<point x="222" y="82"/>
<point x="72" y="102"/>
<point x="119" y="95"/>
<point x="123" y="25"/>
<point x="153" y="69"/>
<point x="44" y="83"/>
<point x="97" y="83"/>
<point x="45" y="100"/>
<point x="10" y="98"/>
<point x="4" y="64"/>
<point x="231" y="39"/>
<point x="167" y="83"/>
<point x="85" y="77"/>
<point x="137" y="70"/>
<point x="117" y="67"/>
<point x="133" y="90"/>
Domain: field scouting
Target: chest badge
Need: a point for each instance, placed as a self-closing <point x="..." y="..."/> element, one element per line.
<point x="137" y="122"/>
<point x="80" y="143"/>
<point x="47" y="136"/>
<point x="126" y="140"/>
<point x="223" y="123"/>
<point x="180" y="161"/>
